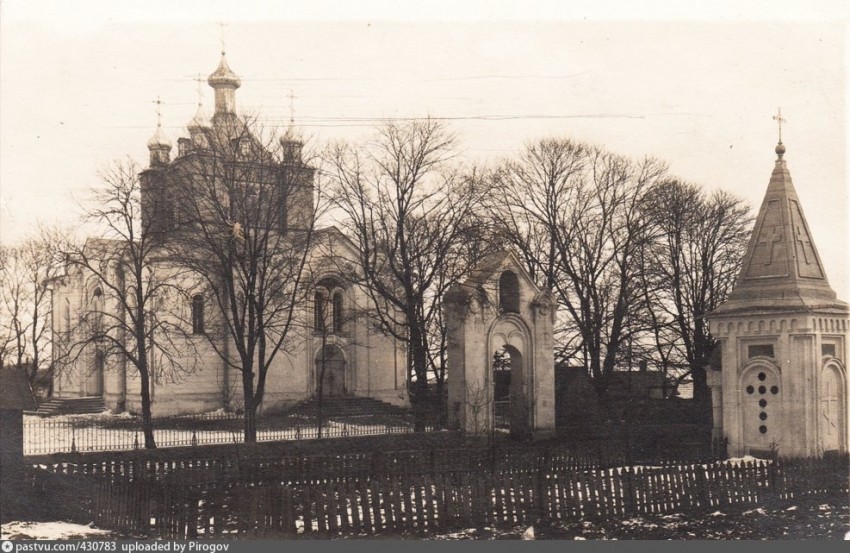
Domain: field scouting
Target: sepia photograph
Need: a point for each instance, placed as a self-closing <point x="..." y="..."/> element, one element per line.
<point x="445" y="272"/>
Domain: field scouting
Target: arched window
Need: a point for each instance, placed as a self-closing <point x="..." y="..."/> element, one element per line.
<point x="509" y="293"/>
<point x="318" y="312"/>
<point x="97" y="310"/>
<point x="198" y="314"/>
<point x="338" y="314"/>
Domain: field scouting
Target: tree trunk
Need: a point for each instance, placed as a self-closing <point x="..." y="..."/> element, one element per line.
<point x="250" y="418"/>
<point x="419" y="356"/>
<point x="702" y="394"/>
<point x="147" y="420"/>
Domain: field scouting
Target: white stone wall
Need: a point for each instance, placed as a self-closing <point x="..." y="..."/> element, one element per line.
<point x="375" y="362"/>
<point x="794" y="427"/>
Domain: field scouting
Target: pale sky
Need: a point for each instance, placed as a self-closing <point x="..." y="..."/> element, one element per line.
<point x="696" y="87"/>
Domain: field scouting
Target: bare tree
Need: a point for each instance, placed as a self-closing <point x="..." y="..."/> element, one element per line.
<point x="132" y="285"/>
<point x="25" y="271"/>
<point x="479" y="240"/>
<point x="244" y="216"/>
<point x="691" y="267"/>
<point x="574" y="212"/>
<point x="408" y="213"/>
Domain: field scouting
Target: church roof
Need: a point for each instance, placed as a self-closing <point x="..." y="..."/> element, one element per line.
<point x="782" y="269"/>
<point x="488" y="270"/>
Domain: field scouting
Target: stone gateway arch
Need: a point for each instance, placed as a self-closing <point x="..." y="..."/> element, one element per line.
<point x="501" y="351"/>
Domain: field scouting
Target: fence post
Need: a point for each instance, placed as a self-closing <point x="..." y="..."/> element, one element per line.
<point x="773" y="492"/>
<point x="628" y="479"/>
<point x="703" y="485"/>
<point x="540" y="487"/>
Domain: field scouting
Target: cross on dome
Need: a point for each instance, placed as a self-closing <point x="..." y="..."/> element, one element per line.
<point x="780" y="148"/>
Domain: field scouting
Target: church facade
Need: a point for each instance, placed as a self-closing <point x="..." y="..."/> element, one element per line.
<point x="781" y="384"/>
<point x="334" y="347"/>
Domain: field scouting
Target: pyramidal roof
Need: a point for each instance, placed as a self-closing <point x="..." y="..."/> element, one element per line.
<point x="782" y="269"/>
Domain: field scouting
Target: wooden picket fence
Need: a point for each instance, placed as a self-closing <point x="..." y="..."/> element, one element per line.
<point x="174" y="508"/>
<point x="294" y="468"/>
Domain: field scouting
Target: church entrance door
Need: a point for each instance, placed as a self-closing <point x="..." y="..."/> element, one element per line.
<point x="94" y="382"/>
<point x="330" y="371"/>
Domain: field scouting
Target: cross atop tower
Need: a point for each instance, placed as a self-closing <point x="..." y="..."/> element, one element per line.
<point x="292" y="98"/>
<point x="221" y="35"/>
<point x="200" y="80"/>
<point x="779" y="119"/>
<point x="158" y="103"/>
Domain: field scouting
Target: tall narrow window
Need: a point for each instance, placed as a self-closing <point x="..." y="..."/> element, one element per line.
<point x="318" y="312"/>
<point x="67" y="316"/>
<point x="509" y="292"/>
<point x="198" y="314"/>
<point x="338" y="315"/>
<point x="97" y="311"/>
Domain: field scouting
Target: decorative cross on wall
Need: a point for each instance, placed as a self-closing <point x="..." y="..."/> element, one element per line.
<point x="804" y="241"/>
<point x="775" y="237"/>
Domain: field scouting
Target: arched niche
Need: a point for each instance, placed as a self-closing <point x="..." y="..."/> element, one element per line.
<point x="832" y="408"/>
<point x="508" y="292"/>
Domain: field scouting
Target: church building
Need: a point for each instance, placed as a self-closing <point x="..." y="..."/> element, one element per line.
<point x="336" y="346"/>
<point x="781" y="384"/>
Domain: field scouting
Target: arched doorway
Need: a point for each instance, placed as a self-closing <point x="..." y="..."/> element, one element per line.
<point x="510" y="406"/>
<point x="94" y="383"/>
<point x="761" y="401"/>
<point x="832" y="416"/>
<point x="330" y="371"/>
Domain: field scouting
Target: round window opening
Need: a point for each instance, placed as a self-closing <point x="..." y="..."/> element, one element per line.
<point x="763" y="429"/>
<point x="762" y="403"/>
<point x="763" y="415"/>
<point x="762" y="389"/>
<point x="774" y="390"/>
<point x="750" y="389"/>
<point x="762" y="376"/>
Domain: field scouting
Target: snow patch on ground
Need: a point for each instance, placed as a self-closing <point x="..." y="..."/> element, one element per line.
<point x="49" y="531"/>
<point x="745" y="459"/>
<point x="759" y="511"/>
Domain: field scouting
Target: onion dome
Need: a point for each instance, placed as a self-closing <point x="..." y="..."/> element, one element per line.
<point x="200" y="120"/>
<point x="224" y="76"/>
<point x="159" y="140"/>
